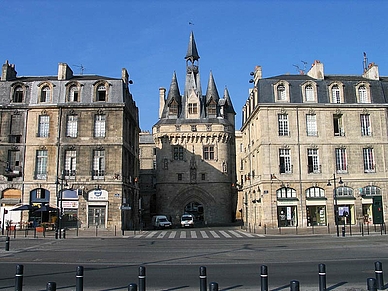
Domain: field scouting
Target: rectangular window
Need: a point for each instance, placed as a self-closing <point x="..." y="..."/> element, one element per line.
<point x="365" y="125"/>
<point x="70" y="163"/>
<point x="178" y="153"/>
<point x="283" y="124"/>
<point x="285" y="166"/>
<point x="41" y="165"/>
<point x="338" y="127"/>
<point x="341" y="161"/>
<point x="44" y="126"/>
<point x="369" y="162"/>
<point x="180" y="177"/>
<point x="99" y="125"/>
<point x="311" y="125"/>
<point x="98" y="164"/>
<point x="309" y="90"/>
<point x="193" y="109"/>
<point x="203" y="177"/>
<point x="208" y="152"/>
<point x="13" y="161"/>
<point x="313" y="161"/>
<point x="72" y="126"/>
<point x="101" y="93"/>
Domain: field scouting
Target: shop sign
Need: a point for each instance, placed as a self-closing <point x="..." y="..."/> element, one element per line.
<point x="98" y="195"/>
<point x="70" y="204"/>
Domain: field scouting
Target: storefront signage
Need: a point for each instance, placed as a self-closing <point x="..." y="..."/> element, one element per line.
<point x="98" y="195"/>
<point x="70" y="204"/>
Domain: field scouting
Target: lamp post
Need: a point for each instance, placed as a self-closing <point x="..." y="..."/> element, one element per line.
<point x="58" y="182"/>
<point x="335" y="199"/>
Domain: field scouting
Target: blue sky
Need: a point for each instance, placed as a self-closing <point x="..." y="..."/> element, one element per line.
<point x="149" y="38"/>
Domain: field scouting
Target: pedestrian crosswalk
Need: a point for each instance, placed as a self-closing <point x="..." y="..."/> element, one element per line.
<point x="196" y="234"/>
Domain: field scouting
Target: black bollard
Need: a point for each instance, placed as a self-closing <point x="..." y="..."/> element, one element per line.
<point x="213" y="286"/>
<point x="294" y="285"/>
<point x="379" y="275"/>
<point x="132" y="287"/>
<point x="79" y="279"/>
<point x="142" y="278"/>
<point x="322" y="277"/>
<point x="343" y="230"/>
<point x="51" y="286"/>
<point x="19" y="278"/>
<point x="202" y="279"/>
<point x="7" y="243"/>
<point x="264" y="278"/>
<point x="371" y="284"/>
<point x="64" y="233"/>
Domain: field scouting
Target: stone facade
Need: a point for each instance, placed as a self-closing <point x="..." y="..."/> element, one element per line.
<point x="315" y="149"/>
<point x="195" y="149"/>
<point x="78" y="147"/>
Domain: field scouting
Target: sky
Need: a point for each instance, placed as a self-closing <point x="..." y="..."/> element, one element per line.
<point x="150" y="37"/>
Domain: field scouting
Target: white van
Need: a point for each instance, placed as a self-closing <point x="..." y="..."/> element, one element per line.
<point x="161" y="221"/>
<point x="187" y="220"/>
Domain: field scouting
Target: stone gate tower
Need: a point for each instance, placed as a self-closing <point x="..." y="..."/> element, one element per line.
<point x="195" y="156"/>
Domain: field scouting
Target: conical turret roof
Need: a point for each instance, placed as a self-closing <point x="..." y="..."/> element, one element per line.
<point x="192" y="52"/>
<point x="211" y="91"/>
<point x="173" y="92"/>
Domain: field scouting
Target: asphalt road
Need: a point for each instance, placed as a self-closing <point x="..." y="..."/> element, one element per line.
<point x="173" y="264"/>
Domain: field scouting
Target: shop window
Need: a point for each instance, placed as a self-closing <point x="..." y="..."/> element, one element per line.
<point x="316" y="215"/>
<point x="287" y="216"/>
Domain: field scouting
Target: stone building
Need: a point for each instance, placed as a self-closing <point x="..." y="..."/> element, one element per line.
<point x="315" y="149"/>
<point x="195" y="149"/>
<point x="70" y="142"/>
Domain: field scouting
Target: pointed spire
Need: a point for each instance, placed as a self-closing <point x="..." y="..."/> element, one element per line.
<point x="211" y="92"/>
<point x="192" y="53"/>
<point x="173" y="92"/>
<point x="229" y="107"/>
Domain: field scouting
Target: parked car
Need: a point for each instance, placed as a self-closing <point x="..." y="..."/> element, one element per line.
<point x="161" y="221"/>
<point x="187" y="220"/>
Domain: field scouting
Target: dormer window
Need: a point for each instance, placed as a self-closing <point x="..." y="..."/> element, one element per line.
<point x="281" y="91"/>
<point x="193" y="108"/>
<point x="336" y="92"/>
<point x="73" y="94"/>
<point x="309" y="92"/>
<point x="173" y="109"/>
<point x="212" y="109"/>
<point x="363" y="94"/>
<point x="45" y="94"/>
<point x="18" y="95"/>
<point x="101" y="93"/>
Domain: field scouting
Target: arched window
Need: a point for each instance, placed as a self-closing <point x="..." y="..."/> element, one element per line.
<point x="73" y="94"/>
<point x="363" y="94"/>
<point x="286" y="192"/>
<point x="309" y="92"/>
<point x="335" y="94"/>
<point x="18" y="95"/>
<point x="45" y="94"/>
<point x="371" y="191"/>
<point x="101" y="93"/>
<point x="344" y="192"/>
<point x="315" y="192"/>
<point x="281" y="90"/>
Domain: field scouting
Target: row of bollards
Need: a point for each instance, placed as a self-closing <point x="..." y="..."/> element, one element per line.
<point x="373" y="284"/>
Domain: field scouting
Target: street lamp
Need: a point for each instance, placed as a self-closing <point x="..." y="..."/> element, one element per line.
<point x="335" y="199"/>
<point x="58" y="182"/>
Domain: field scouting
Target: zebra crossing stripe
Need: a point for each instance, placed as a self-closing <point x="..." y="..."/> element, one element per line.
<point x="214" y="234"/>
<point x="225" y="234"/>
<point x="172" y="234"/>
<point x="183" y="234"/>
<point x="236" y="234"/>
<point x="204" y="234"/>
<point x="193" y="234"/>
<point x="151" y="234"/>
<point x="162" y="234"/>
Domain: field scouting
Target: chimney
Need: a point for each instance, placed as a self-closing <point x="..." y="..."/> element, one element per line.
<point x="316" y="71"/>
<point x="64" y="72"/>
<point x="162" y="100"/>
<point x="8" y="72"/>
<point x="372" y="72"/>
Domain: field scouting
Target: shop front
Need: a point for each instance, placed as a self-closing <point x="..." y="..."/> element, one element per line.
<point x="70" y="208"/>
<point x="97" y="208"/>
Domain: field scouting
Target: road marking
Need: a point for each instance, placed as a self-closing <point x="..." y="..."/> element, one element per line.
<point x="193" y="234"/>
<point x="236" y="234"/>
<point x="214" y="234"/>
<point x="162" y="234"/>
<point x="172" y="234"/>
<point x="204" y="234"/>
<point x="151" y="234"/>
<point x="183" y="234"/>
<point x="225" y="234"/>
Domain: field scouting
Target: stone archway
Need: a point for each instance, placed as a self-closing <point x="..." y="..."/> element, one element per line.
<point x="193" y="200"/>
